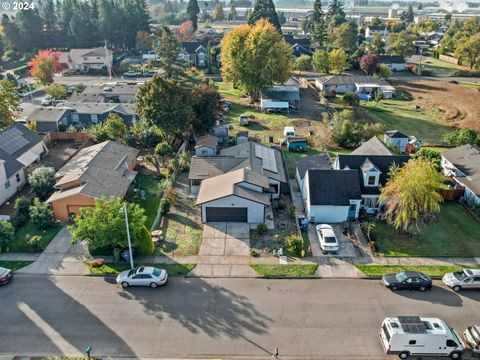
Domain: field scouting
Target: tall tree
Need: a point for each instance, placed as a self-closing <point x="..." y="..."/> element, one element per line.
<point x="377" y="45"/>
<point x="45" y="65"/>
<point x="218" y="14"/>
<point x="167" y="49"/>
<point x="411" y="194"/>
<point x="336" y="15"/>
<point x="316" y="24"/>
<point x="338" y="61"/>
<point x="185" y="31"/>
<point x="192" y="12"/>
<point x="344" y="37"/>
<point x="50" y="24"/>
<point x="232" y="14"/>
<point x="265" y="9"/>
<point x="321" y="61"/>
<point x="255" y="57"/>
<point x="9" y="103"/>
<point x="400" y="44"/>
<point x="369" y="63"/>
<point x="468" y="50"/>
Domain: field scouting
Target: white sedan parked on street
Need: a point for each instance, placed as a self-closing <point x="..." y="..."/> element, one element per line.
<point x="143" y="276"/>
<point x="326" y="237"/>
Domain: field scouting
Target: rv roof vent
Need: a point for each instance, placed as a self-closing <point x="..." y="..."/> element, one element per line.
<point x="437" y="325"/>
<point x="394" y="325"/>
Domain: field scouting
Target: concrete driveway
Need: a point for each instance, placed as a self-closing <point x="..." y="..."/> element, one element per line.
<point x="347" y="247"/>
<point x="225" y="239"/>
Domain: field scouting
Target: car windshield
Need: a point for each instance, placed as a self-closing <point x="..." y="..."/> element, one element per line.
<point x="2" y="271"/>
<point x="330" y="239"/>
<point x="157" y="272"/>
<point x="401" y="276"/>
<point x="460" y="275"/>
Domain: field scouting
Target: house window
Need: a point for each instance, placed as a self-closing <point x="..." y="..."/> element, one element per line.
<point x="201" y="59"/>
<point x="17" y="176"/>
<point x="75" y="118"/>
<point x="7" y="184"/>
<point x="196" y="182"/>
<point x="94" y="118"/>
<point x="372" y="180"/>
<point x="371" y="202"/>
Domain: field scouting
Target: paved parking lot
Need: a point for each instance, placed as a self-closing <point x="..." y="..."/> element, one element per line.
<point x="225" y="239"/>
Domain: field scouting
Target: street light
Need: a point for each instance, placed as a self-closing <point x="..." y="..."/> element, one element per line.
<point x="123" y="210"/>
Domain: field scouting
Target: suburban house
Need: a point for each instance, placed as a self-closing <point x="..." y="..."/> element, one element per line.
<point x="280" y="98"/>
<point x="404" y="143"/>
<point x="242" y="137"/>
<point x="236" y="196"/>
<point x="80" y="115"/>
<point x="239" y="184"/>
<point x="86" y="59"/>
<point x="118" y="93"/>
<point x="371" y="31"/>
<point x="462" y="164"/>
<point x="195" y="53"/>
<point x="336" y="191"/>
<point x="206" y="145"/>
<point x="342" y="84"/>
<point x="299" y="45"/>
<point x="394" y="62"/>
<point x="19" y="148"/>
<point x="102" y="170"/>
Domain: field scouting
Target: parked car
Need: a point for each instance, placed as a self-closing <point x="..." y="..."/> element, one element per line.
<point x="149" y="73"/>
<point x="471" y="335"/>
<point x="462" y="279"/>
<point x="143" y="276"/>
<point x="132" y="74"/>
<point x="244" y="120"/>
<point x="326" y="237"/>
<point x="6" y="275"/>
<point x="46" y="102"/>
<point x="412" y="280"/>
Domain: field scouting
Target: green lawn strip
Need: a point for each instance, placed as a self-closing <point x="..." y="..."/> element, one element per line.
<point x="22" y="234"/>
<point x="116" y="268"/>
<point x="471" y="86"/>
<point x="402" y="116"/>
<point x="148" y="183"/>
<point x="14" y="265"/>
<point x="227" y="89"/>
<point x="439" y="67"/>
<point x="284" y="271"/>
<point x="455" y="233"/>
<point x="431" y="270"/>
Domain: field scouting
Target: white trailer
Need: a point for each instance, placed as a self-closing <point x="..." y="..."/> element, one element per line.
<point x="415" y="336"/>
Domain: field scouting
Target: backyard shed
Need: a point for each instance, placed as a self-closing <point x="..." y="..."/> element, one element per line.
<point x="297" y="144"/>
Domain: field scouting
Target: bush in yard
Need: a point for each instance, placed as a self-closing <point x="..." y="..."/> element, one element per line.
<point x="7" y="232"/>
<point x="35" y="242"/>
<point x="57" y="92"/>
<point x="41" y="214"/>
<point x="351" y="99"/>
<point x="165" y="206"/>
<point x="145" y="243"/>
<point x="294" y="244"/>
<point x="22" y="208"/>
<point x="332" y="94"/>
<point x="41" y="181"/>
<point x="292" y="212"/>
<point x="262" y="229"/>
<point x="171" y="195"/>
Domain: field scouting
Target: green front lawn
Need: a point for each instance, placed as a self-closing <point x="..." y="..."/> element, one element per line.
<point x="19" y="243"/>
<point x="14" y="265"/>
<point x="149" y="184"/>
<point x="116" y="268"/>
<point x="439" y="67"/>
<point x="430" y="270"/>
<point x="282" y="271"/>
<point x="455" y="233"/>
<point x="401" y="115"/>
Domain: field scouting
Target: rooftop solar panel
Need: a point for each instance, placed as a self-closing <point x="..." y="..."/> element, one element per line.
<point x="267" y="155"/>
<point x="412" y="324"/>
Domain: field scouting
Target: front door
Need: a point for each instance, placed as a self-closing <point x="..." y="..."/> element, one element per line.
<point x="352" y="211"/>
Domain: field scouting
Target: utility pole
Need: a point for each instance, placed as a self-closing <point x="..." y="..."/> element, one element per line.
<point x="124" y="210"/>
<point x="108" y="61"/>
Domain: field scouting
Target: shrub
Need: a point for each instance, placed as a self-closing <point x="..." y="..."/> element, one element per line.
<point x="294" y="244"/>
<point x="292" y="212"/>
<point x="351" y="99"/>
<point x="57" y="92"/>
<point x="96" y="263"/>
<point x="262" y="229"/>
<point x="22" y="208"/>
<point x="171" y="195"/>
<point x="41" y="214"/>
<point x="333" y="94"/>
<point x="184" y="162"/>
<point x="35" y="242"/>
<point x="165" y="206"/>
<point x="145" y="243"/>
<point x="41" y="181"/>
<point x="7" y="232"/>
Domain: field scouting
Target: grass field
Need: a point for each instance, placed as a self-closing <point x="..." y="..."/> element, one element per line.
<point x="430" y="270"/>
<point x="19" y="243"/>
<point x="282" y="271"/>
<point x="455" y="233"/>
<point x="116" y="268"/>
<point x="439" y="67"/>
<point x="14" y="265"/>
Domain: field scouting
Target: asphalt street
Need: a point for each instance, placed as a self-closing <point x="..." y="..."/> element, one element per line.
<point x="331" y="319"/>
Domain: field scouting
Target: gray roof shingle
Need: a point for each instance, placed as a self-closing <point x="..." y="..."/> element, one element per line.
<point x="333" y="187"/>
<point x="466" y="158"/>
<point x="317" y="161"/>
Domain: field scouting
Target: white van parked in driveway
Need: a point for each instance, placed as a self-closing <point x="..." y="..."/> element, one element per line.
<point x="415" y="336"/>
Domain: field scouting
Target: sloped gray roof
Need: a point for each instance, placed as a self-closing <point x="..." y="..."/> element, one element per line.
<point x="15" y="140"/>
<point x="350" y="80"/>
<point x="204" y="167"/>
<point x="466" y="158"/>
<point x="208" y="141"/>
<point x="317" y="161"/>
<point x="374" y="146"/>
<point x="396" y="134"/>
<point x="47" y="114"/>
<point x="333" y="187"/>
<point x="98" y="108"/>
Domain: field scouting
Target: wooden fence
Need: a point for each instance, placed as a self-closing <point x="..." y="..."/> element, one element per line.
<point x="451" y="194"/>
<point x="449" y="59"/>
<point x="66" y="136"/>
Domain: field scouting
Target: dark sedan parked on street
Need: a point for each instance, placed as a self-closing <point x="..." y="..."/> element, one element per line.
<point x="412" y="280"/>
<point x="5" y="275"/>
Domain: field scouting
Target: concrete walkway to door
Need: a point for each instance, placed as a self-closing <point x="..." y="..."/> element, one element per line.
<point x="60" y="258"/>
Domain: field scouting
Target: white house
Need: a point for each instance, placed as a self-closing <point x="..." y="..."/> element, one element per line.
<point x="206" y="145"/>
<point x="396" y="138"/>
<point x="371" y="31"/>
<point x="19" y="148"/>
<point x="462" y="164"/>
<point x="394" y="62"/>
<point x="342" y="84"/>
<point x="86" y="59"/>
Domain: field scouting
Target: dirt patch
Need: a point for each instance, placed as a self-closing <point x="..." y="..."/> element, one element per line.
<point x="454" y="103"/>
<point x="301" y="123"/>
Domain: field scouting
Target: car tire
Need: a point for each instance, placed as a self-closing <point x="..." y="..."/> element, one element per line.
<point x="153" y="285"/>
<point x="455" y="355"/>
<point x="457" y="288"/>
<point x="404" y="355"/>
<point x="125" y="284"/>
<point x="422" y="288"/>
<point x="394" y="288"/>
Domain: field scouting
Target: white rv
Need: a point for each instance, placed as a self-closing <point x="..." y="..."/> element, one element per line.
<point x="415" y="336"/>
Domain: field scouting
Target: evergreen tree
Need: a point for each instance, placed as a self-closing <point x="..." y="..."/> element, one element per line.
<point x="316" y="24"/>
<point x="50" y="28"/>
<point x="408" y="15"/>
<point x="336" y="14"/>
<point x="218" y="13"/>
<point x="167" y="49"/>
<point x="232" y="14"/>
<point x="192" y="12"/>
<point x="30" y="26"/>
<point x="265" y="9"/>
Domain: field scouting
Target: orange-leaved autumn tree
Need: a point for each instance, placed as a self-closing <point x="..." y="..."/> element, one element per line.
<point x="45" y="65"/>
<point x="185" y="31"/>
